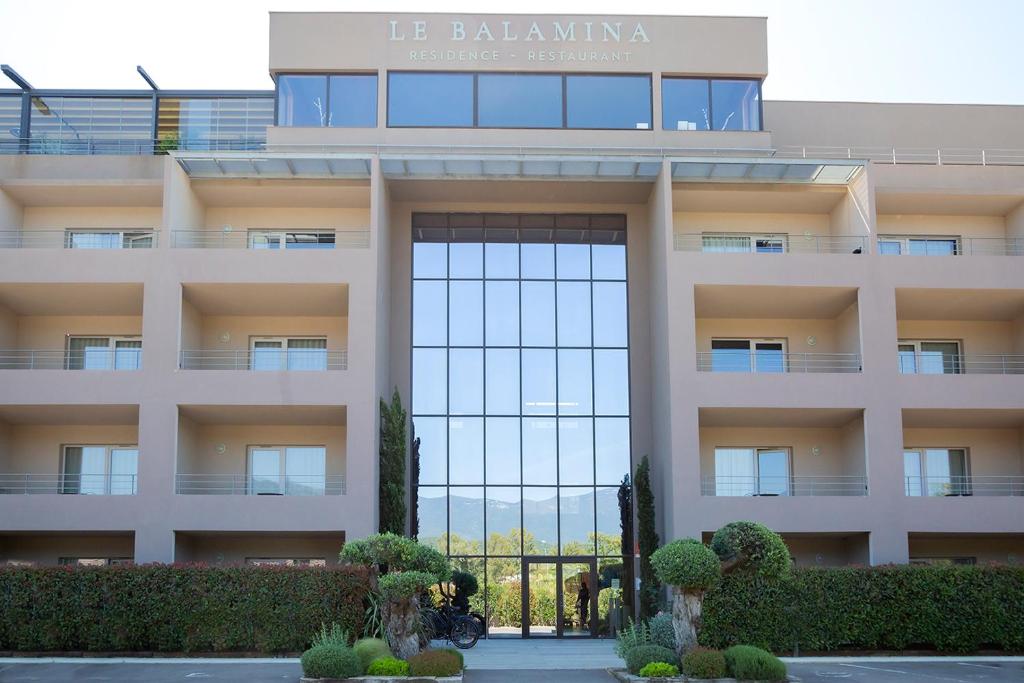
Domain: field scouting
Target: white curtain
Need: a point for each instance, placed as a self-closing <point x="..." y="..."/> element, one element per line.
<point x="734" y="472"/>
<point x="305" y="469"/>
<point x="307" y="354"/>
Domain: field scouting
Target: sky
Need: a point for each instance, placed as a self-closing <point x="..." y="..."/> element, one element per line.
<point x="862" y="50"/>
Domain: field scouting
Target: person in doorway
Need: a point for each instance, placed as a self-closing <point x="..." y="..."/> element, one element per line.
<point x="583" y="604"/>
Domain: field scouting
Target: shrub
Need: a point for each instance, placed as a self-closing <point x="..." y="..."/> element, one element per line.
<point x="633" y="635"/>
<point x="747" y="663"/>
<point x="402" y="585"/>
<point x="369" y="650"/>
<point x="659" y="670"/>
<point x="457" y="654"/>
<point x="686" y="563"/>
<point x="642" y="655"/>
<point x="176" y="608"/>
<point x="388" y="666"/>
<point x="662" y="631"/>
<point x="330" y="661"/>
<point x="756" y="548"/>
<point x="335" y="635"/>
<point x="704" y="663"/>
<point x="465" y="583"/>
<point x="435" y="663"/>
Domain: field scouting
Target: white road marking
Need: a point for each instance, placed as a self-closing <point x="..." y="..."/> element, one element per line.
<point x="907" y="673"/>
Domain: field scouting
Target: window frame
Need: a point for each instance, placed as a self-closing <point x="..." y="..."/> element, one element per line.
<point x="782" y="237"/>
<point x="112" y="341"/>
<point x="107" y="455"/>
<point x="282" y="466"/>
<point x="127" y="237"/>
<point x="281" y="237"/>
<point x="905" y="240"/>
<point x="958" y="367"/>
<point x="283" y="350"/>
<point x="751" y="351"/>
<point x="963" y="489"/>
<point x="327" y="97"/>
<point x="711" y="101"/>
<point x="755" y="452"/>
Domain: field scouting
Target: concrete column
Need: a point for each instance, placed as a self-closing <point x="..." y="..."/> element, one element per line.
<point x="11" y="213"/>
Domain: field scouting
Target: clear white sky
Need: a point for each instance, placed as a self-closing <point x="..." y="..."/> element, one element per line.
<point x="875" y="50"/>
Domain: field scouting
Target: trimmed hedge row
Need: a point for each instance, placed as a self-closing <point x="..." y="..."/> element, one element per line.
<point x="945" y="608"/>
<point x="175" y="608"/>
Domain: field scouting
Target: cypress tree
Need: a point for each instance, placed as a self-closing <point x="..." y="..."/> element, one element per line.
<point x="414" y="487"/>
<point x="626" y="525"/>
<point x="648" y="540"/>
<point x="392" y="466"/>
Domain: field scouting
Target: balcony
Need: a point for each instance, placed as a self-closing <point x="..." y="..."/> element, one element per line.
<point x="276" y="358"/>
<point x="768" y="243"/>
<point x="952" y="362"/>
<point x="280" y="239"/>
<point x="260" y="485"/>
<point x="952" y="485"/>
<point x="771" y="486"/>
<point x="774" y="361"/>
<point x="80" y="238"/>
<point x="949" y="245"/>
<point x="93" y="353"/>
<point x="109" y="484"/>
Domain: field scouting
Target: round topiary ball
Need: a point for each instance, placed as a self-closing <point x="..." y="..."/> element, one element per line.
<point x="752" y="548"/>
<point x="330" y="661"/>
<point x="687" y="564"/>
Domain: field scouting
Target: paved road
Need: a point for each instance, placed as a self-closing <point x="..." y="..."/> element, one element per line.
<point x="874" y="671"/>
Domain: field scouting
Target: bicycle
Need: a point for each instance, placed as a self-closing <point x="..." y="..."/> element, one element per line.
<point x="461" y="630"/>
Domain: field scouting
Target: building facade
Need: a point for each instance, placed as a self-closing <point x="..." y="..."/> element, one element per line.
<point x="569" y="242"/>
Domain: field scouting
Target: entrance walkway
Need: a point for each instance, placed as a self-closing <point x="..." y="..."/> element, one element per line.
<point x="543" y="654"/>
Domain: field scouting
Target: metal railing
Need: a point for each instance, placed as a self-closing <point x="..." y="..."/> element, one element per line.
<point x="953" y="156"/>
<point x="767" y="362"/>
<point x="84" y="238"/>
<point x="954" y="486"/>
<point x="935" y="363"/>
<point x="249" y="485"/>
<point x="63" y="359"/>
<point x="283" y="239"/>
<point x="264" y="359"/>
<point x="70" y="484"/>
<point x="769" y="486"/>
<point x="768" y="243"/>
<point x="125" y="146"/>
<point x="992" y="246"/>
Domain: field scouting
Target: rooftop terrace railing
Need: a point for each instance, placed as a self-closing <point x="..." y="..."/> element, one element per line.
<point x="250" y="485"/>
<point x="768" y="243"/>
<point x="260" y="360"/>
<point x="775" y="486"/>
<point x="80" y="238"/>
<point x="287" y="239"/>
<point x="771" y="362"/>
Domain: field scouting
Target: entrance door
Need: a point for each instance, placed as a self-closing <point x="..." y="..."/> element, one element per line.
<point x="559" y="597"/>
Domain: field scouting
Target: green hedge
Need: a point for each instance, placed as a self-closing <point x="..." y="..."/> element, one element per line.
<point x="949" y="609"/>
<point x="175" y="608"/>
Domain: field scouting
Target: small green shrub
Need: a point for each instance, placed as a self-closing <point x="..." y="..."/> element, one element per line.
<point x="659" y="670"/>
<point x="686" y="563"/>
<point x="704" y="663"/>
<point x="642" y="655"/>
<point x="330" y="661"/>
<point x="369" y="650"/>
<point x="333" y="635"/>
<point x="662" y="631"/>
<point x="747" y="663"/>
<point x="633" y="635"/>
<point x="435" y="663"/>
<point x="388" y="666"/>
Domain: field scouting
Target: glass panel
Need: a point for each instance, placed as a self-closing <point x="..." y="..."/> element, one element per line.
<point x="466" y="260"/>
<point x="908" y="359"/>
<point x="504" y="526"/>
<point x="504" y="596"/>
<point x="730" y="355"/>
<point x="502" y="381"/>
<point x="429" y="259"/>
<point x="939" y="358"/>
<point x="769" y="357"/>
<point x="538" y="261"/>
<point x="466" y="520"/>
<point x="736" y="105"/>
<point x="958" y="474"/>
<point x="684" y="104"/>
<point x="538" y="382"/>
<point x="10" y="123"/>
<point x="541" y="600"/>
<point x="576" y="518"/>
<point x="307" y="354"/>
<point x="610" y="324"/>
<point x="466" y="450"/>
<point x="429" y="313"/>
<point x="213" y="123"/>
<point x="612" y="581"/>
<point x="609" y="261"/>
<point x="466" y="382"/>
<point x="539" y="448"/>
<point x="268" y="354"/>
<point x="466" y="320"/>
<point x="89" y="353"/>
<point x="889" y="246"/>
<point x="933" y="247"/>
<point x="93" y="239"/>
<point x="432" y="503"/>
<point x="609" y="522"/>
<point x="618" y="101"/>
<point x="770" y="245"/>
<point x="264" y="239"/>
<point x="502" y="313"/>
<point x="611" y="382"/>
<point x="734" y="472"/>
<point x="540" y="520"/>
<point x="575" y="393"/>
<point x="429" y="381"/>
<point x="538" y="313"/>
<point x="301" y="100"/>
<point x="773" y="473"/>
<point x="946" y="471"/>
<point x="310" y="239"/>
<point x="127" y="354"/>
<point x="573" y="261"/>
<point x="575" y="450"/>
<point x="725" y="244"/>
<point x="124" y="471"/>
<point x="430" y="99"/>
<point x="912" y="473"/>
<point x="501" y="260"/>
<point x="576" y="599"/>
<point x="265" y="471"/>
<point x="85" y="470"/>
<point x="353" y="101"/>
<point x="574" y="314"/>
<point x="91" y="125"/>
<point x="305" y="470"/>
<point x="611" y="445"/>
<point x="502" y="450"/>
<point x="433" y="435"/>
<point x="519" y="101"/>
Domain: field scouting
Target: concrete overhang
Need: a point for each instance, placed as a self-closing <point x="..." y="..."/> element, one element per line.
<point x="523" y="167"/>
<point x="765" y="170"/>
<point x="273" y="165"/>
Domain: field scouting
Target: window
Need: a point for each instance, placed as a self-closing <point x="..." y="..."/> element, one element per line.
<point x="108" y="239"/>
<point x="287" y="470"/>
<point x="291" y="239"/>
<point x="338" y="101"/>
<point x="944" y="561"/>
<point x="752" y="472"/>
<point x="100" y="470"/>
<point x="519" y="100"/>
<point x="104" y="353"/>
<point x="286" y="561"/>
<point x="930" y="357"/>
<point x="281" y="353"/>
<point x="936" y="472"/>
<point x="10" y="123"/>
<point x="93" y="561"/>
<point x="919" y="246"/>
<point x="430" y="100"/>
<point x="748" y="355"/>
<point x="710" y="104"/>
<point x="213" y="123"/>
<point x="91" y="125"/>
<point x="609" y="102"/>
<point x="744" y="244"/>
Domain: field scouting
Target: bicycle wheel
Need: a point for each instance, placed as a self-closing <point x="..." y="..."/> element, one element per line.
<point x="465" y="632"/>
<point x="433" y="622"/>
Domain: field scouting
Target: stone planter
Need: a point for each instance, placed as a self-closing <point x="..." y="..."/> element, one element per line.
<point x="388" y="679"/>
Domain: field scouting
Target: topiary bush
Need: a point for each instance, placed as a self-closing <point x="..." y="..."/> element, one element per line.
<point x="330" y="661"/>
<point x="388" y="666"/>
<point x="748" y="663"/>
<point x="642" y="655"/>
<point x="465" y="583"/>
<point x="687" y="564"/>
<point x="370" y="649"/>
<point x="662" y="631"/>
<point x="704" y="663"/>
<point x="404" y="585"/>
<point x="749" y="547"/>
<point x="435" y="663"/>
<point x="659" y="670"/>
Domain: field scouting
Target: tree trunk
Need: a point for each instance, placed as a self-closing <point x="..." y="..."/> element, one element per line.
<point x="403" y="626"/>
<point x="686" y="618"/>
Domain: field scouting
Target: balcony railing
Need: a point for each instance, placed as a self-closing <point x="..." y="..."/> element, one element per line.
<point x="954" y="486"/>
<point x="63" y="359"/>
<point x="249" y="485"/>
<point x="264" y="359"/>
<point x="85" y="238"/>
<point x="125" y="146"/>
<point x="729" y="360"/>
<point x="283" y="239"/>
<point x="768" y="243"/>
<point x="768" y="486"/>
<point x="70" y="484"/>
<point x="948" y="364"/>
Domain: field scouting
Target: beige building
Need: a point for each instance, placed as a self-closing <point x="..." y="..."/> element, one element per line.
<point x="569" y="241"/>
